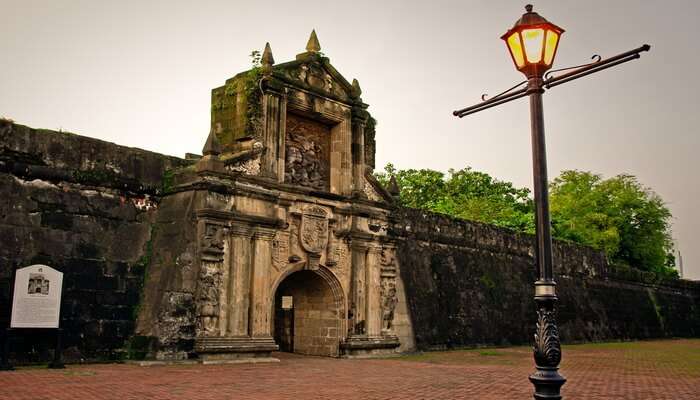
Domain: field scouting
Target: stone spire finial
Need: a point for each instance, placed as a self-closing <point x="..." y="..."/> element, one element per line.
<point x="267" y="58"/>
<point x="212" y="147"/>
<point x="313" y="46"/>
<point x="393" y="188"/>
<point x="210" y="161"/>
<point x="357" y="90"/>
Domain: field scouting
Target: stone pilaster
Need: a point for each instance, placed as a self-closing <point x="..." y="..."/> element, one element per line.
<point x="358" y="154"/>
<point x="341" y="158"/>
<point x="271" y="128"/>
<point x="359" y="285"/>
<point x="282" y="138"/>
<point x="247" y="333"/>
<point x="239" y="282"/>
<point x="260" y="297"/>
<point x="374" y="312"/>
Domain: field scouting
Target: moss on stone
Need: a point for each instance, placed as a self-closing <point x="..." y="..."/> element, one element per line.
<point x="140" y="269"/>
<point x="167" y="182"/>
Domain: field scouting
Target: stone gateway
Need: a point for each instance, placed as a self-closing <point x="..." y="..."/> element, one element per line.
<point x="307" y="223"/>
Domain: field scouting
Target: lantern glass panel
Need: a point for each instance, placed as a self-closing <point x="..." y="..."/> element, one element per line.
<point x="550" y="46"/>
<point x="516" y="49"/>
<point x="533" y="41"/>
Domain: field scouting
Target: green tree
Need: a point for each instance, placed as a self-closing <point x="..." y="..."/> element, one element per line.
<point x="628" y="221"/>
<point x="619" y="215"/>
<point x="466" y="194"/>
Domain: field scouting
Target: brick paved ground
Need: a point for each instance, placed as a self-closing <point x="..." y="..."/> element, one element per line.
<point x="638" y="370"/>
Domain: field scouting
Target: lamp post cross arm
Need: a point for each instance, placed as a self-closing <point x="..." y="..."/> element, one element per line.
<point x="552" y="81"/>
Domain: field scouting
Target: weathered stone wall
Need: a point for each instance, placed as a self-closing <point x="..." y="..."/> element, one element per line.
<point x="84" y="207"/>
<point x="471" y="284"/>
<point x="94" y="211"/>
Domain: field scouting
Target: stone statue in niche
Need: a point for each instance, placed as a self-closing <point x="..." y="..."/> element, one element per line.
<point x="388" y="289"/>
<point x="208" y="299"/>
<point x="389" y="300"/>
<point x="307" y="153"/>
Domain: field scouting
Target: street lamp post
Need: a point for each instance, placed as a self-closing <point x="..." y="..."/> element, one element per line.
<point x="533" y="43"/>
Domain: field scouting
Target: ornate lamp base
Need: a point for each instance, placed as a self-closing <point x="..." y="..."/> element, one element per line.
<point x="547" y="383"/>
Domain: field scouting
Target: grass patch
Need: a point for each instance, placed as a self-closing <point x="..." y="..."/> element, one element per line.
<point x="680" y="356"/>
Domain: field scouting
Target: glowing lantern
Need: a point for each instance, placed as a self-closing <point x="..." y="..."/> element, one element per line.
<point x="532" y="43"/>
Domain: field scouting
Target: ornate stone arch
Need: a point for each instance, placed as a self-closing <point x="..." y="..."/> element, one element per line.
<point x="333" y="283"/>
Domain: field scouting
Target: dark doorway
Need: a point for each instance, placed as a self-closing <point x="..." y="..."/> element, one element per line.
<point x="284" y="323"/>
<point x="306" y="315"/>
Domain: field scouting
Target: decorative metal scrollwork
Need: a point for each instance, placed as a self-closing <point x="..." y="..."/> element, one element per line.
<point x="484" y="97"/>
<point x="596" y="59"/>
<point x="547" y="345"/>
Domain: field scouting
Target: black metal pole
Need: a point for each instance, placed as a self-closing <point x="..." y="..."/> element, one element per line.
<point x="5" y="364"/>
<point x="57" y="362"/>
<point x="547" y="349"/>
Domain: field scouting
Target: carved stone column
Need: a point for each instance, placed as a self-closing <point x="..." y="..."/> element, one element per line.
<point x="358" y="306"/>
<point x="358" y="153"/>
<point x="260" y="298"/>
<point x="282" y="137"/>
<point x="374" y="311"/>
<point x="272" y="126"/>
<point x="366" y="336"/>
<point x="239" y="282"/>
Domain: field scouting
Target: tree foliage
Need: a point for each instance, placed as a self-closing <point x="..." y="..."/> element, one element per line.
<point x="618" y="215"/>
<point x="466" y="194"/>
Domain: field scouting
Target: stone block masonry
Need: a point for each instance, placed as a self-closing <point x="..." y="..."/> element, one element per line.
<point x="84" y="207"/>
<point x="95" y="211"/>
<point x="470" y="284"/>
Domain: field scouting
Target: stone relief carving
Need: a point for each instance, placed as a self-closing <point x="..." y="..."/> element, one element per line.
<point x="342" y="257"/>
<point x="294" y="243"/>
<point x="248" y="167"/>
<point x="377" y="225"/>
<point x="212" y="239"/>
<point x="280" y="250"/>
<point x="316" y="77"/>
<point x="209" y="280"/>
<point x="388" y="290"/>
<point x="208" y="299"/>
<point x="332" y="248"/>
<point x="314" y="229"/>
<point x="307" y="153"/>
<point x="313" y="233"/>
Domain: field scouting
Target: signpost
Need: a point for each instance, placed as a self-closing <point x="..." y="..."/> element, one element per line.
<point x="36" y="304"/>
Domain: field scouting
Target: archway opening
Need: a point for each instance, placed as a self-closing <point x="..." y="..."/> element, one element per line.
<point x="307" y="319"/>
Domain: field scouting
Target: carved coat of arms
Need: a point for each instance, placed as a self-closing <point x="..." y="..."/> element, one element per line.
<point x="314" y="229"/>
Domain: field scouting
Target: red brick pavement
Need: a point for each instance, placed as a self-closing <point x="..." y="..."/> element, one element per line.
<point x="642" y="370"/>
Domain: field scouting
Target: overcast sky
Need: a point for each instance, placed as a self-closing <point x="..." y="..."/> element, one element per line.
<point x="139" y="73"/>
